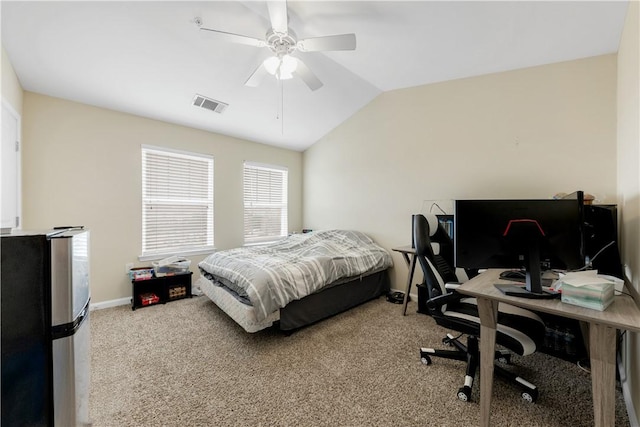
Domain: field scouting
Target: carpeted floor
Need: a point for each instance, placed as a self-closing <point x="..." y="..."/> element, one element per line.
<point x="187" y="364"/>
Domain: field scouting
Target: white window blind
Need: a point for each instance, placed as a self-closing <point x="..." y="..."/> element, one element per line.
<point x="265" y="202"/>
<point x="177" y="202"/>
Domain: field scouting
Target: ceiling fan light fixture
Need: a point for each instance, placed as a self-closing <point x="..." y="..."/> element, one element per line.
<point x="271" y="64"/>
<point x="281" y="67"/>
<point x="289" y="64"/>
<point x="284" y="76"/>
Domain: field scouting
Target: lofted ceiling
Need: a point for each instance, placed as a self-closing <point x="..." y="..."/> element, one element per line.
<point x="150" y="59"/>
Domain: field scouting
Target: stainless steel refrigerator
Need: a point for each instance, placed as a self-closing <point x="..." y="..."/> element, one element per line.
<point x="44" y="278"/>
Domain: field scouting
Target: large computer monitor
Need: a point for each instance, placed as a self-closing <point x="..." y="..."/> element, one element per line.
<point x="522" y="234"/>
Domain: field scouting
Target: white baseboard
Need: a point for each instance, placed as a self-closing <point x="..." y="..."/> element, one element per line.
<point x="110" y="303"/>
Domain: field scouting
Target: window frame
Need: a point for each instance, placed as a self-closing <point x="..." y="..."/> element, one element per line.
<point x="148" y="254"/>
<point x="283" y="205"/>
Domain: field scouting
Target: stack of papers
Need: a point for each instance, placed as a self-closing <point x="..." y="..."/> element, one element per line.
<point x="587" y="289"/>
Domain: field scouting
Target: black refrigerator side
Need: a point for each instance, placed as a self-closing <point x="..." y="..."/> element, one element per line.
<point x="26" y="331"/>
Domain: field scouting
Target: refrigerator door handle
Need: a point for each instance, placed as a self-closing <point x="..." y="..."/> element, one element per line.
<point x="68" y="329"/>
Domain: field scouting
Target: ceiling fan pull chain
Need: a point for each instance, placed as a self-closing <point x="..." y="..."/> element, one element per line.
<point x="278" y="106"/>
<point x="281" y="107"/>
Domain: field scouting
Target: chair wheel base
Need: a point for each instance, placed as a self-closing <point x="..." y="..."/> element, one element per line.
<point x="464" y="394"/>
<point x="530" y="396"/>
<point x="425" y="358"/>
<point x="506" y="359"/>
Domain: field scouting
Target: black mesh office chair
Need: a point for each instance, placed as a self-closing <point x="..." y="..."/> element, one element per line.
<point x="518" y="330"/>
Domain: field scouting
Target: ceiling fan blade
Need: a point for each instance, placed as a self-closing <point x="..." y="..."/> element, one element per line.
<point x="337" y="42"/>
<point x="233" y="38"/>
<point x="255" y="79"/>
<point x="278" y="16"/>
<point x="307" y="76"/>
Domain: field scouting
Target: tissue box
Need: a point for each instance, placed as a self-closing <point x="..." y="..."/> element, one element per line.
<point x="597" y="296"/>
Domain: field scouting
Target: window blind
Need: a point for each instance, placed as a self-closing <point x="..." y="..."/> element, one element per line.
<point x="177" y="201"/>
<point x="265" y="202"/>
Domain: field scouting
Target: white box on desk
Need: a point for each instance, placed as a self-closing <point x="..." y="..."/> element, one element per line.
<point x="587" y="289"/>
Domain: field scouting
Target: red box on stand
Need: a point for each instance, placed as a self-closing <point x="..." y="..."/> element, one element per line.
<point x="149" y="298"/>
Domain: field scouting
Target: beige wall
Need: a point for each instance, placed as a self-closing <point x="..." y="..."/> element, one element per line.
<point x="628" y="110"/>
<point x="527" y="133"/>
<point x="82" y="165"/>
<point x="11" y="89"/>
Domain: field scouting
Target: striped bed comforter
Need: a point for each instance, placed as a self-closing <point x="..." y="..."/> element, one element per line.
<point x="273" y="275"/>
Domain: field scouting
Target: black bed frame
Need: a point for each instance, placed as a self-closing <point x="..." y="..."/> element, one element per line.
<point x="333" y="300"/>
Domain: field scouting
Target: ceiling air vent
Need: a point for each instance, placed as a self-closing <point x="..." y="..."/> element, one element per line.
<point x="209" y="104"/>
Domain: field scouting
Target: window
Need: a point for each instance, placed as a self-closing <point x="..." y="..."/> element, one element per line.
<point x="177" y="202"/>
<point x="265" y="202"/>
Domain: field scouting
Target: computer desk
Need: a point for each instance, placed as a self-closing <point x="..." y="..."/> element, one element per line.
<point x="623" y="313"/>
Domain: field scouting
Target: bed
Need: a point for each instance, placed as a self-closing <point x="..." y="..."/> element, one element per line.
<point x="296" y="281"/>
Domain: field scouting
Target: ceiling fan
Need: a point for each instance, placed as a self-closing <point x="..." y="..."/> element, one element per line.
<point x="283" y="43"/>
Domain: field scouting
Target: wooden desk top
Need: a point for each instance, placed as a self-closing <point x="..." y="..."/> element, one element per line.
<point x="623" y="313"/>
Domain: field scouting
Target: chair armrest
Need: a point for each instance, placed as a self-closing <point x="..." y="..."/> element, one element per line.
<point x="452" y="286"/>
<point x="440" y="300"/>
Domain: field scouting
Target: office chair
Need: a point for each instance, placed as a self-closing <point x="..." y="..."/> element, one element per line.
<point x="518" y="330"/>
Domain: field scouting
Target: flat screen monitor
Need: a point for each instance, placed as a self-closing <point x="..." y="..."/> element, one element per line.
<point x="519" y="234"/>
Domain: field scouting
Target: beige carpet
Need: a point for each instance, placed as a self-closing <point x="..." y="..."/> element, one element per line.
<point x="187" y="364"/>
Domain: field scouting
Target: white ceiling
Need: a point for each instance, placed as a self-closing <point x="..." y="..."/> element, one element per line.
<point x="149" y="58"/>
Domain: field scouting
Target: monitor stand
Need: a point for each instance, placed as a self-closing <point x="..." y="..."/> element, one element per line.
<point x="522" y="292"/>
<point x="533" y="279"/>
